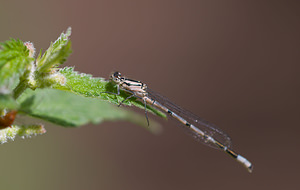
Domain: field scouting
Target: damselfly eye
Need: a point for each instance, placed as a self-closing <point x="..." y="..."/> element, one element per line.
<point x="117" y="74"/>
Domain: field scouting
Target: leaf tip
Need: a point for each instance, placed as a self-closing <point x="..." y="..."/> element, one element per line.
<point x="31" y="48"/>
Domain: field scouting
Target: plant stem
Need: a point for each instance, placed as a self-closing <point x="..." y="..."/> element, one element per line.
<point x="19" y="89"/>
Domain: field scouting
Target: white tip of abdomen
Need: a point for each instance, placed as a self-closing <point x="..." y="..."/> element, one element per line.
<point x="245" y="163"/>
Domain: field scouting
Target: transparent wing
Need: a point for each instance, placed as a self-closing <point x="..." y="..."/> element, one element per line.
<point x="208" y="128"/>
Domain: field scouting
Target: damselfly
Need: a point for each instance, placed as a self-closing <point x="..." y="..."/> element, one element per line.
<point x="202" y="130"/>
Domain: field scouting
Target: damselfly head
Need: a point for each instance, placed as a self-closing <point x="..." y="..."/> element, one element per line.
<point x="116" y="77"/>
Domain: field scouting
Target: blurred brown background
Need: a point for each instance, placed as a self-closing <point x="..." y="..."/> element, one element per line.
<point x="234" y="63"/>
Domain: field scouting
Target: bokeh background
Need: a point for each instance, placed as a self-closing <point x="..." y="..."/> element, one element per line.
<point x="234" y="63"/>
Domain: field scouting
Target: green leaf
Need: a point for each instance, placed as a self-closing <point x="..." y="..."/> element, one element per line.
<point x="88" y="86"/>
<point x="56" y="54"/>
<point x="70" y="110"/>
<point x="7" y="102"/>
<point x="14" y="60"/>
